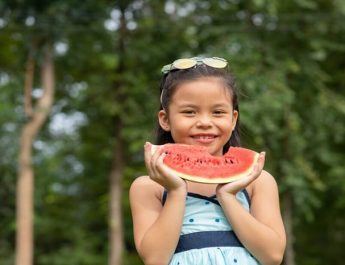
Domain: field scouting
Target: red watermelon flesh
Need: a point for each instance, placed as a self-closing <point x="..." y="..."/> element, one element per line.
<point x="194" y="163"/>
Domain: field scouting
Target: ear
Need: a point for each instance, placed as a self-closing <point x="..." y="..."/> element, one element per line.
<point x="164" y="120"/>
<point x="234" y="119"/>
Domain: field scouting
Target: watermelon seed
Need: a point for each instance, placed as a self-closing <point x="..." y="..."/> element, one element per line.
<point x="229" y="161"/>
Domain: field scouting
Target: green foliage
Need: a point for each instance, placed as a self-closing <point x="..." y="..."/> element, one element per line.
<point x="288" y="59"/>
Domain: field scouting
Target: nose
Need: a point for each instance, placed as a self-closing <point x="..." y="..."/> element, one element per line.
<point x="204" y="121"/>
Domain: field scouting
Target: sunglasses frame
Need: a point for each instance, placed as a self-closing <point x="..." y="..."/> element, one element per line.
<point x="187" y="63"/>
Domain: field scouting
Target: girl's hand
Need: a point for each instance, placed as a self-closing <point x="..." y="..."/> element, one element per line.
<point x="236" y="186"/>
<point x="161" y="173"/>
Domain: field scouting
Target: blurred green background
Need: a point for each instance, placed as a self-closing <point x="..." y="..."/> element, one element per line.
<point x="289" y="61"/>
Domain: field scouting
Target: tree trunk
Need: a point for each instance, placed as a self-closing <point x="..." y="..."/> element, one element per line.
<point x="287" y="213"/>
<point x="118" y="163"/>
<point x="25" y="182"/>
<point x="289" y="255"/>
<point x="116" y="177"/>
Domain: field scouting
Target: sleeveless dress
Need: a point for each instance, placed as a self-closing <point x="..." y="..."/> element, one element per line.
<point x="206" y="236"/>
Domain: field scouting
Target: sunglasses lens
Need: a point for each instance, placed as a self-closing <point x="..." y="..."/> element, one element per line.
<point x="187" y="63"/>
<point x="184" y="63"/>
<point x="215" y="62"/>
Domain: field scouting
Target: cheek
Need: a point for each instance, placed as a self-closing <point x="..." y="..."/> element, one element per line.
<point x="227" y="127"/>
<point x="179" y="124"/>
<point x="229" y="131"/>
<point x="180" y="127"/>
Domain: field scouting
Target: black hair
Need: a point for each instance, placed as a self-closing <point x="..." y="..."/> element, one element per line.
<point x="174" y="78"/>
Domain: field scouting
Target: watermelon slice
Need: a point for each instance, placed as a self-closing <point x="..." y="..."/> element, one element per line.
<point x="194" y="163"/>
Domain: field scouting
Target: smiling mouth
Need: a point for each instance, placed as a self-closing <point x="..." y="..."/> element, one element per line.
<point x="204" y="138"/>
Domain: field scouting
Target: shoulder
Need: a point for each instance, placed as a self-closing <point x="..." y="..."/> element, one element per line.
<point x="141" y="181"/>
<point x="144" y="187"/>
<point x="144" y="182"/>
<point x="265" y="189"/>
<point x="266" y="179"/>
<point x="265" y="182"/>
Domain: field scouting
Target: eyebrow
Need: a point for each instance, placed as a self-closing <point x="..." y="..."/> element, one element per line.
<point x="221" y="105"/>
<point x="184" y="105"/>
<point x="190" y="105"/>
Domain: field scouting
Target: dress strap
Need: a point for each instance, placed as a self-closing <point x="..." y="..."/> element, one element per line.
<point x="207" y="239"/>
<point x="245" y="192"/>
<point x="164" y="197"/>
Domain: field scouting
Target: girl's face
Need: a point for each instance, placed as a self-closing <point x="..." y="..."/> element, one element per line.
<point x="200" y="113"/>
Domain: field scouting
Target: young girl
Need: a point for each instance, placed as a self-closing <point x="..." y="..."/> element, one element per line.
<point x="178" y="222"/>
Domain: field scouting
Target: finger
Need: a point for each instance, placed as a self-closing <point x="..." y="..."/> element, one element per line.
<point x="160" y="158"/>
<point x="147" y="149"/>
<point x="262" y="158"/>
<point x="149" y="162"/>
<point x="259" y="164"/>
<point x="154" y="160"/>
<point x="162" y="169"/>
<point x="157" y="161"/>
<point x="147" y="154"/>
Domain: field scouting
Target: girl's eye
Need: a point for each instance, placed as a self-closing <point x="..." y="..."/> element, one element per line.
<point x="188" y="112"/>
<point x="219" y="112"/>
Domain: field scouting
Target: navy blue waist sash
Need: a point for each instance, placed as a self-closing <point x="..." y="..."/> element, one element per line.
<point x="207" y="239"/>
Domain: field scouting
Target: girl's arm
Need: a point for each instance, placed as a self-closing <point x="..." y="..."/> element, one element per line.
<point x="261" y="231"/>
<point x="156" y="228"/>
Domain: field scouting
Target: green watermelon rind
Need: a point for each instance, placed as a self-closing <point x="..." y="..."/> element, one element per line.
<point x="213" y="180"/>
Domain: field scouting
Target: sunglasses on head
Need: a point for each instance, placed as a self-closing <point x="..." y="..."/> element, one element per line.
<point x="186" y="63"/>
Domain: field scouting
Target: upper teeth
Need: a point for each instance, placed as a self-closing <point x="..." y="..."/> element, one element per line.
<point x="204" y="136"/>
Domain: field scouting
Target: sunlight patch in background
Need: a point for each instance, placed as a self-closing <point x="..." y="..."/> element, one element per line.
<point x="67" y="124"/>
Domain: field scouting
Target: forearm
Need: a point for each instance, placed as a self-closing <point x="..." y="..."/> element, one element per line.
<point x="160" y="240"/>
<point x="261" y="241"/>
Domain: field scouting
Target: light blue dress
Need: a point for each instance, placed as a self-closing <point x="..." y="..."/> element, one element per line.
<point x="207" y="237"/>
